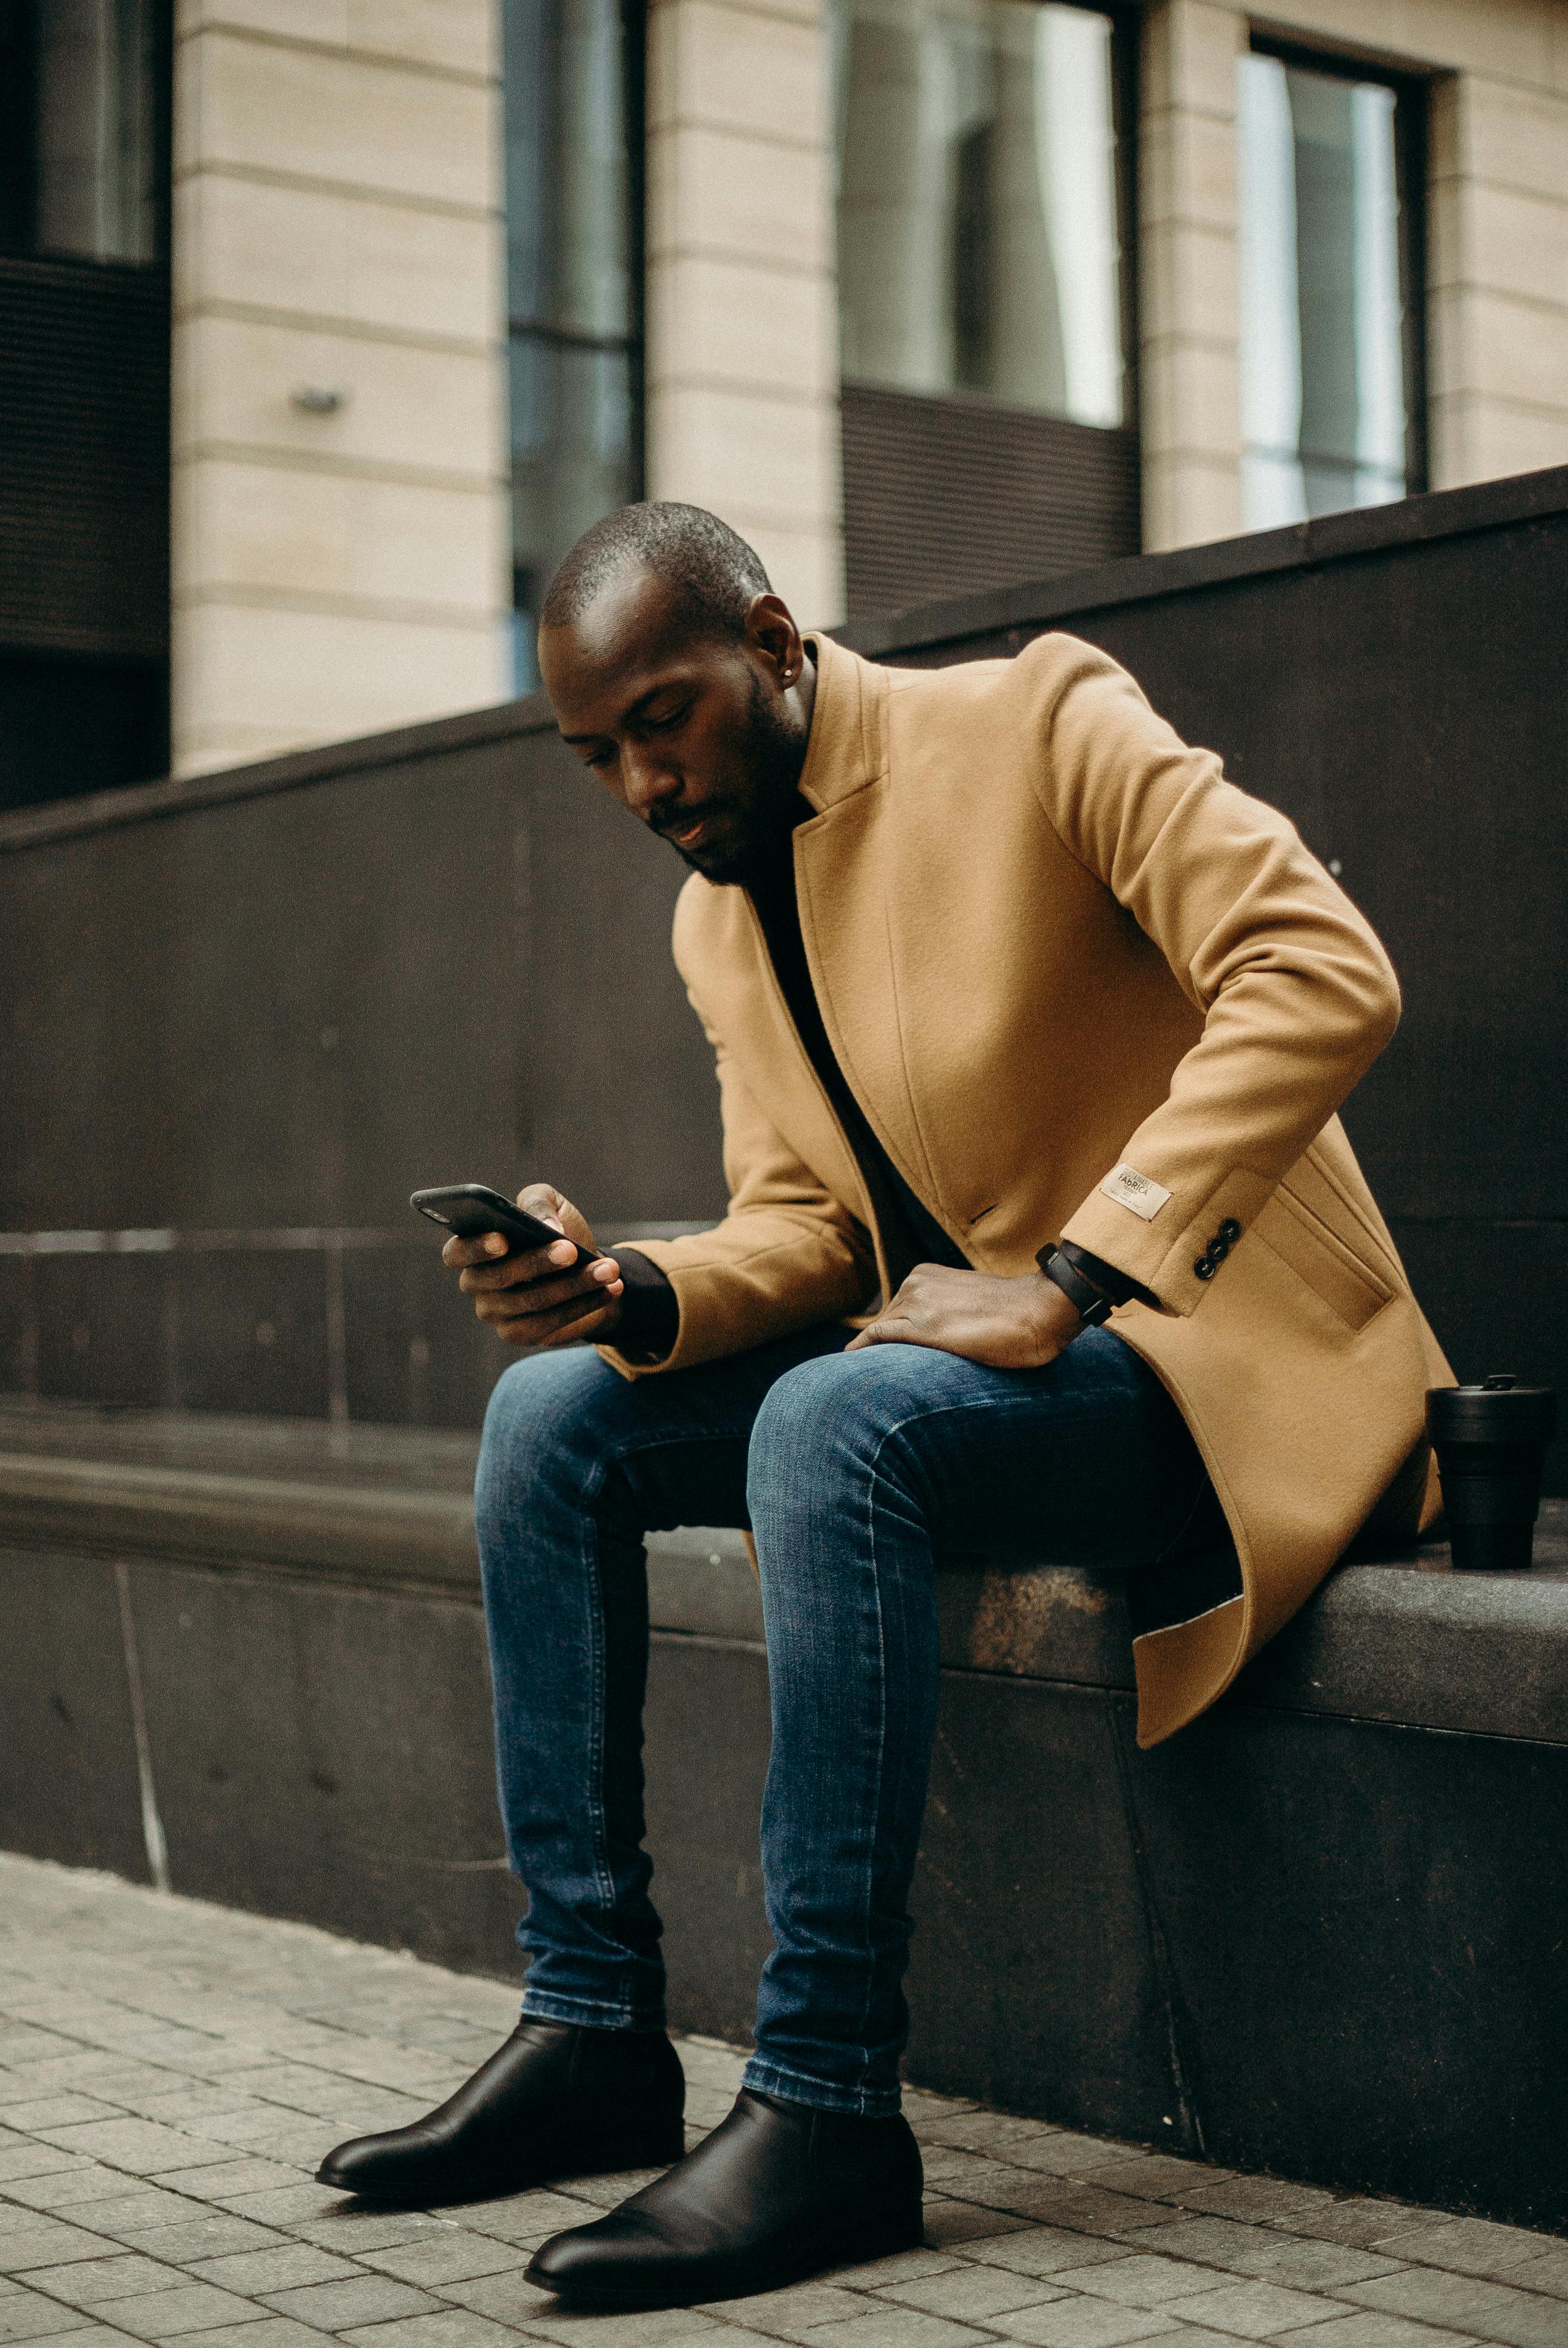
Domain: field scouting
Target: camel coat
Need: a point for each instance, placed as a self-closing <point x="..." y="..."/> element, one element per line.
<point x="1083" y="988"/>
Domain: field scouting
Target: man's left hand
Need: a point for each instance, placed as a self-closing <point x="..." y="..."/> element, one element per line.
<point x="1011" y="1324"/>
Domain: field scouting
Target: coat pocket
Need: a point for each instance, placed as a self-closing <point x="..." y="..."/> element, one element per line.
<point x="1347" y="1284"/>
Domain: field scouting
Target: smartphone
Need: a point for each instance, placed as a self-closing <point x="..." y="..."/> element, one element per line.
<point x="470" y="1210"/>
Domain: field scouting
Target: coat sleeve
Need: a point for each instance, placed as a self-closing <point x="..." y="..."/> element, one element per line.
<point x="787" y="1255"/>
<point x="1297" y="996"/>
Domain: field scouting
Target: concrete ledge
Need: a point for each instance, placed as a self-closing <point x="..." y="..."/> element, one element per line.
<point x="1319" y="1932"/>
<point x="1404" y="1640"/>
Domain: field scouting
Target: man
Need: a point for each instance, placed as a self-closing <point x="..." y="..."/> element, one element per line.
<point x="1030" y="1023"/>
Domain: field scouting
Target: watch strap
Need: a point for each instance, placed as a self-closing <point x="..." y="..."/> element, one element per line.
<point x="1091" y="1306"/>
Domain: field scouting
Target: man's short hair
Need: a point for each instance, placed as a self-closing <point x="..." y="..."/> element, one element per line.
<point x="716" y="575"/>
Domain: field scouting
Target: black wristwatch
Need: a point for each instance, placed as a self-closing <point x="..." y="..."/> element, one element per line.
<point x="1093" y="1307"/>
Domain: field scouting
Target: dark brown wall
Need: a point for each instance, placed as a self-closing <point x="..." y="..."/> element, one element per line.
<point x="255" y="1012"/>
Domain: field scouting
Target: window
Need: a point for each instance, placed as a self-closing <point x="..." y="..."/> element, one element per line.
<point x="573" y="170"/>
<point x="81" y="136"/>
<point x="985" y="230"/>
<point x="1330" y="347"/>
<point x="979" y="229"/>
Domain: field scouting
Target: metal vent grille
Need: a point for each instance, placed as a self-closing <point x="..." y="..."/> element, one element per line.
<point x="950" y="497"/>
<point x="84" y="459"/>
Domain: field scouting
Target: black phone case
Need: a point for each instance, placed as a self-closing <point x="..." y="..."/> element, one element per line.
<point x="471" y="1209"/>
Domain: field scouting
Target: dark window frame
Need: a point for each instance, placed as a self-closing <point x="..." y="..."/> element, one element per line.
<point x="1412" y="104"/>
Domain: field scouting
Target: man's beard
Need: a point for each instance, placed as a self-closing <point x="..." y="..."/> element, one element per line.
<point x="762" y="799"/>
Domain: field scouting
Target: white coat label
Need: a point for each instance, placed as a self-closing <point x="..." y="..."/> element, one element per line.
<point x="1130" y="1189"/>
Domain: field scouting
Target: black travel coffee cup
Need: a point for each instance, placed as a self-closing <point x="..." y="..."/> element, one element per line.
<point x="1490" y="1441"/>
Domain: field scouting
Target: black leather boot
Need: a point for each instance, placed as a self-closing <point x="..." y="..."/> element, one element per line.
<point x="555" y="2101"/>
<point x="778" y="2193"/>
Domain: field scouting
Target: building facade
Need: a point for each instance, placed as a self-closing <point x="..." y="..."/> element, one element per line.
<point x="923" y="296"/>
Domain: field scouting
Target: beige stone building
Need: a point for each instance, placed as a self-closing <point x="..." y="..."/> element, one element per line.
<point x="923" y="296"/>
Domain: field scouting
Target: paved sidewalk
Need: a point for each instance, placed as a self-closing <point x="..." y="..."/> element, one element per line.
<point x="170" y="2073"/>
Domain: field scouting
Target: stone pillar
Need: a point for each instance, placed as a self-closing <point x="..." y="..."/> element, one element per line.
<point x="742" y="358"/>
<point x="340" y="525"/>
<point x="1189" y="374"/>
<point x="1497" y="284"/>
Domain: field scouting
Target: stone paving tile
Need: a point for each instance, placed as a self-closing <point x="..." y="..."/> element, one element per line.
<point x="1160" y="2176"/>
<point x="210" y="2236"/>
<point x="175" y="2073"/>
<point x="191" y="2307"/>
<point x="46" y="2112"/>
<point x="45" y="2242"/>
<point x="1306" y="2266"/>
<point x="994" y="2133"/>
<point x="892" y="2328"/>
<point x="504" y="2298"/>
<point x="1548" y="2272"/>
<point x="450" y="2258"/>
<point x="362" y="2298"/>
<point x="1085" y="2323"/>
<point x="270" y="2332"/>
<point x="791" y="2313"/>
<point x="26" y="2316"/>
<point x="972" y="2292"/>
<point x="1494" y="2310"/>
<point x="122" y="2214"/>
<point x="1469" y="2246"/>
<point x="1214" y="2242"/>
<point x="281" y="2205"/>
<point x="1091" y="2211"/>
<point x="58" y="2189"/>
<point x="670" y="2327"/>
<point x="1144" y="2279"/>
<point x="141" y="2147"/>
<point x="1255" y="2311"/>
<point x="950" y="2223"/>
<point x="29" y="2159"/>
<point x="1045" y="2251"/>
<point x="1358" y="2221"/>
<point x="456" y="2329"/>
<point x="254" y="2271"/>
<point x="898" y="2267"/>
<point x="526" y="2217"/>
<point x="1067" y="2154"/>
<point x="89" y="2282"/>
<point x="1252" y="2197"/>
<point x="1367" y="2330"/>
<point x="220" y="2180"/>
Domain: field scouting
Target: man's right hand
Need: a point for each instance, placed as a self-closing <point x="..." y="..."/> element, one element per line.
<point x="546" y="1297"/>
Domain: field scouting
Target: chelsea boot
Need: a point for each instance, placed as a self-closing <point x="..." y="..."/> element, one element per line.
<point x="777" y="2193"/>
<point x="557" y="2100"/>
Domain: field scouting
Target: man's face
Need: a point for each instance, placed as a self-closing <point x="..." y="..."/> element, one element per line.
<point x="702" y="737"/>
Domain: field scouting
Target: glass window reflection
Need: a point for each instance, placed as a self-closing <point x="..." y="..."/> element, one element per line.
<point x="573" y="264"/>
<point x="1325" y="397"/>
<point x="979" y="239"/>
<point x="80" y="122"/>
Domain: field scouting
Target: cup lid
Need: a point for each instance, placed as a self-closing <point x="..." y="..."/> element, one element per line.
<point x="1498" y="1409"/>
<point x="1500" y="1382"/>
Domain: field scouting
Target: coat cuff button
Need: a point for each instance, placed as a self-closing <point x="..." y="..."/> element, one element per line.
<point x="1230" y="1229"/>
<point x="1205" y="1267"/>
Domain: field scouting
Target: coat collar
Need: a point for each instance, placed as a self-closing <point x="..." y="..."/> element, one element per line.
<point x="847" y="749"/>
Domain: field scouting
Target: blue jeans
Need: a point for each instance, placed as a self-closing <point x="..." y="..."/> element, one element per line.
<point x="851" y="1469"/>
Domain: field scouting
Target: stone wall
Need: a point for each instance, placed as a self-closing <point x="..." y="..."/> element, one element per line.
<point x="338" y="220"/>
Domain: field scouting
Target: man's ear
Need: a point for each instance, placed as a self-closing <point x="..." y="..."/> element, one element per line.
<point x="771" y="629"/>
